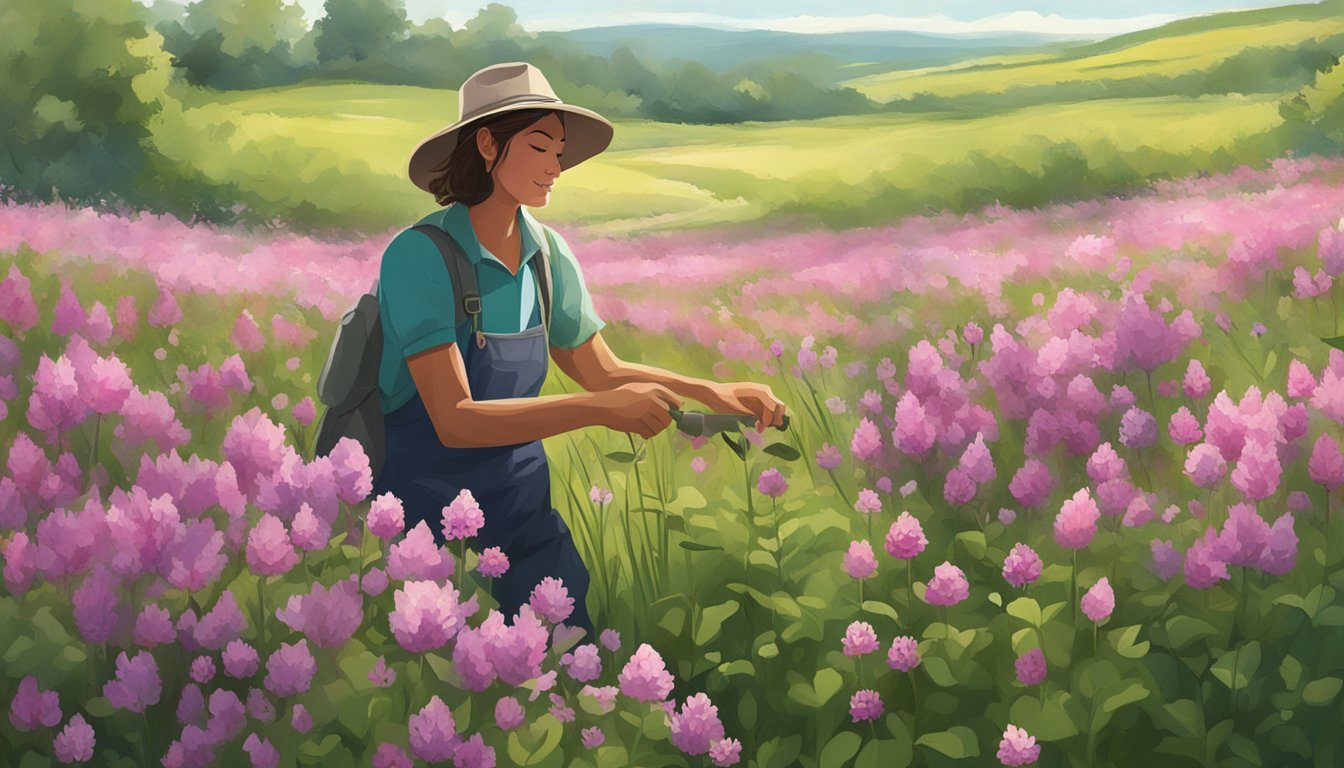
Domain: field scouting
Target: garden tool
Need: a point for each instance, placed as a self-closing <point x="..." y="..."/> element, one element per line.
<point x="698" y="423"/>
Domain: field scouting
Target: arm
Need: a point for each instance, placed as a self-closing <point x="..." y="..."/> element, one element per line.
<point x="460" y="422"/>
<point x="595" y="367"/>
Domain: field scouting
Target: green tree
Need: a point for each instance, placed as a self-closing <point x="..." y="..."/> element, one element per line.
<point x="492" y="23"/>
<point x="78" y="84"/>
<point x="244" y="24"/>
<point x="359" y="29"/>
<point x="1315" y="114"/>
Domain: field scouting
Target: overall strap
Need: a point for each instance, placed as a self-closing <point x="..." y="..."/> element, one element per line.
<point x="466" y="291"/>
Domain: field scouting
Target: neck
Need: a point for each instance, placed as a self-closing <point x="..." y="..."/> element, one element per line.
<point x="495" y="218"/>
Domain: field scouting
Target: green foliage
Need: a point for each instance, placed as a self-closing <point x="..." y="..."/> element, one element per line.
<point x="358" y="29"/>
<point x="76" y="96"/>
<point x="1315" y="114"/>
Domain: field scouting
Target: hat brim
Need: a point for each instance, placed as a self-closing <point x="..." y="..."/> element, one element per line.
<point x="584" y="138"/>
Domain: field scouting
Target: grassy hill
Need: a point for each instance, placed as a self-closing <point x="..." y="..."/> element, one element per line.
<point x="334" y="155"/>
<point x="1171" y="50"/>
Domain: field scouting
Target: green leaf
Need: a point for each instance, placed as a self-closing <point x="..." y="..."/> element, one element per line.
<point x="779" y="753"/>
<point x="711" y="621"/>
<point x="1182" y="630"/>
<point x="99" y="707"/>
<point x="624" y="457"/>
<point x="1270" y="361"/>
<point x="885" y="753"/>
<point x="827" y="681"/>
<point x="1244" y="748"/>
<point x="746" y="710"/>
<point x="803" y="694"/>
<point x="1184" y="713"/>
<point x="353" y="714"/>
<point x="738" y="667"/>
<point x="938" y="670"/>
<point x="319" y="749"/>
<point x="768" y="651"/>
<point x="1026" y="609"/>
<point x="1318" y="693"/>
<point x="957" y="742"/>
<point x="49" y="628"/>
<point x="839" y="749"/>
<point x="543" y="736"/>
<point x="786" y="605"/>
<point x="738" y="447"/>
<point x="1048" y="722"/>
<point x="1290" y="669"/>
<point x="688" y="497"/>
<point x="974" y="542"/>
<point x="1131" y="693"/>
<point x="378" y="708"/>
<point x="783" y="451"/>
<point x="1122" y="640"/>
<point x="1335" y="341"/>
<point x="881" y="609"/>
<point x="695" y="546"/>
<point x="1247" y="661"/>
<point x="655" y="726"/>
<point x="673" y="620"/>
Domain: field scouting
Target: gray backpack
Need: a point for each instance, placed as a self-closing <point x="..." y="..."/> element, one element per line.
<point x="348" y="386"/>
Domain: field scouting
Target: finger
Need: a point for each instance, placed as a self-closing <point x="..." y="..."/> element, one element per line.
<point x="672" y="397"/>
<point x="650" y="423"/>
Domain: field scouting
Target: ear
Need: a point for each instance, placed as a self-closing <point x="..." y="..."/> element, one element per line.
<point x="485" y="144"/>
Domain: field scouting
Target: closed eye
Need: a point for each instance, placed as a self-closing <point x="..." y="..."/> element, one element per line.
<point x="543" y="149"/>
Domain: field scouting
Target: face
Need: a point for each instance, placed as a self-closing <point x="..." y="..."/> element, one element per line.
<point x="532" y="162"/>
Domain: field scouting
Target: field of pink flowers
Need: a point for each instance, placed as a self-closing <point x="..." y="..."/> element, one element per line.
<point x="1071" y="471"/>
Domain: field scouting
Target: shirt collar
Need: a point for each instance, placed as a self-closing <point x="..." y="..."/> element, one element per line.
<point x="458" y="224"/>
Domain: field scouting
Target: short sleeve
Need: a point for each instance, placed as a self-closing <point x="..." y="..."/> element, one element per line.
<point x="573" y="319"/>
<point x="416" y="294"/>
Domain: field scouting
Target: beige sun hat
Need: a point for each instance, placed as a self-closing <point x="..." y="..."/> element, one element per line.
<point x="503" y="88"/>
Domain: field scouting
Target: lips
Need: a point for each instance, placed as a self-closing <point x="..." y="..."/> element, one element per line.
<point x="546" y="187"/>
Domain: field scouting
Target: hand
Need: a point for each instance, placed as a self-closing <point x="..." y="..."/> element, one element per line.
<point x="638" y="407"/>
<point x="746" y="397"/>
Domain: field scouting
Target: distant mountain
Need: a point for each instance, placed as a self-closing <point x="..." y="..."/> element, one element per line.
<point x="727" y="50"/>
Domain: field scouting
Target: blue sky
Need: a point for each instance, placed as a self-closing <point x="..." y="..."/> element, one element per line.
<point x="951" y="16"/>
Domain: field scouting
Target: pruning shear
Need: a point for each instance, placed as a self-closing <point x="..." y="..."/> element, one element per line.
<point x="698" y="423"/>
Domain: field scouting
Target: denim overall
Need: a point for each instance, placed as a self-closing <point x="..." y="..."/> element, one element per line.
<point x="512" y="483"/>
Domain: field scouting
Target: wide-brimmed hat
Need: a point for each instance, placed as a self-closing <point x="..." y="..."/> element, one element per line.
<point x="504" y="88"/>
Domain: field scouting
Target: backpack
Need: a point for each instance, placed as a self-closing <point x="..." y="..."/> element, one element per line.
<point x="348" y="386"/>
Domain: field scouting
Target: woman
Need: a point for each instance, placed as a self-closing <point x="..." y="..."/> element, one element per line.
<point x="462" y="408"/>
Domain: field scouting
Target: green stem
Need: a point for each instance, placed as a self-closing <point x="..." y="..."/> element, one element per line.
<point x="145" y="750"/>
<point x="1073" y="589"/>
<point x="779" y="543"/>
<point x="93" y="453"/>
<point x="261" y="603"/>
<point x="841" y="491"/>
<point x="910" y="584"/>
<point x="461" y="562"/>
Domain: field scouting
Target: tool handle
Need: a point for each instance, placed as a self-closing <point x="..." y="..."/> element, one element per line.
<point x="746" y="419"/>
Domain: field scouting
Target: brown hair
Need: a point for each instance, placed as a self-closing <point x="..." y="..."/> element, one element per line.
<point x="462" y="177"/>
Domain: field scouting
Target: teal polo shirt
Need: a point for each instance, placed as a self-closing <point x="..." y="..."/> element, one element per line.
<point x="415" y="296"/>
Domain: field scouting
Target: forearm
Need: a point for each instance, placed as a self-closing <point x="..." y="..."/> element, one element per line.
<point x="686" y="386"/>
<point x="510" y="421"/>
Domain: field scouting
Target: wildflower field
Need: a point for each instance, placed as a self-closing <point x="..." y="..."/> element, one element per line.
<point x="1057" y="491"/>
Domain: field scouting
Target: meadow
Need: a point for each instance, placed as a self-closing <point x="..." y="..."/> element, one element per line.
<point x="1058" y="490"/>
<point x="304" y="148"/>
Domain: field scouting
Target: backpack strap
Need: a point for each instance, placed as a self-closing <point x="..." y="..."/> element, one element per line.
<point x="543" y="281"/>
<point x="466" y="291"/>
